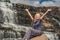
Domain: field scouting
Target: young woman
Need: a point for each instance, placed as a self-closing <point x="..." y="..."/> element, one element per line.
<point x="36" y="23"/>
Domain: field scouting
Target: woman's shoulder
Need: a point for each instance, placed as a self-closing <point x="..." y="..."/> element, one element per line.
<point x="40" y="20"/>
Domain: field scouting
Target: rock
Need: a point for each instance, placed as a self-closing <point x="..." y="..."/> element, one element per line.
<point x="1" y="16"/>
<point x="42" y="37"/>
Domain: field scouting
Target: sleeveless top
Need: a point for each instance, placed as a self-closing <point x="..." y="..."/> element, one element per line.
<point x="37" y="25"/>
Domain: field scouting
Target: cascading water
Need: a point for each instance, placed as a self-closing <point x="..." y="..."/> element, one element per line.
<point x="9" y="20"/>
<point x="8" y="14"/>
<point x="51" y="35"/>
<point x="56" y="21"/>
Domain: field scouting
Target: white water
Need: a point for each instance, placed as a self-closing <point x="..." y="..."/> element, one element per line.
<point x="8" y="14"/>
<point x="51" y="35"/>
<point x="56" y="21"/>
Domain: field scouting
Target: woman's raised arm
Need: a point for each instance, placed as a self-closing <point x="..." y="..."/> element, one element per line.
<point x="45" y="13"/>
<point x="29" y="14"/>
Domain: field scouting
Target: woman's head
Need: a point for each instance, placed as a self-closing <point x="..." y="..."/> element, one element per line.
<point x="37" y="16"/>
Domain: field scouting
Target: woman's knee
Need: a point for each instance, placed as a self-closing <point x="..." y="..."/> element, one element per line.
<point x="31" y="29"/>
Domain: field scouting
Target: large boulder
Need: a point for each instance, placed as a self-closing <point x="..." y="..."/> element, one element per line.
<point x="42" y="37"/>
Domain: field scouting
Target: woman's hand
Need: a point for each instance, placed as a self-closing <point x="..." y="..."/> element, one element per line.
<point x="46" y="13"/>
<point x="26" y="9"/>
<point x="49" y="10"/>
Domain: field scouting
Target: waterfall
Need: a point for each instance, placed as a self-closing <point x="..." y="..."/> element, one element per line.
<point x="9" y="17"/>
<point x="9" y="21"/>
<point x="8" y="14"/>
<point x="56" y="21"/>
<point x="51" y="35"/>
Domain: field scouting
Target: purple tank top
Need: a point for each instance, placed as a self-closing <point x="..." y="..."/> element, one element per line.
<point x="37" y="25"/>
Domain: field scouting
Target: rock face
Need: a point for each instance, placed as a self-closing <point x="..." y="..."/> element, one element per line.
<point x="1" y="17"/>
<point x="42" y="37"/>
